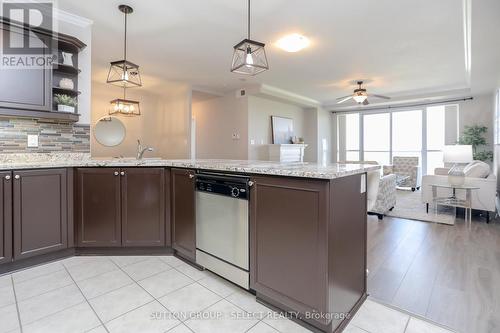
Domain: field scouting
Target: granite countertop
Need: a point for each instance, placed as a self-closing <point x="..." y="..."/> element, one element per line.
<point x="294" y="169"/>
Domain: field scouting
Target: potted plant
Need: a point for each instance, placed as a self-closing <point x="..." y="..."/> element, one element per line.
<point x="65" y="103"/>
<point x="474" y="136"/>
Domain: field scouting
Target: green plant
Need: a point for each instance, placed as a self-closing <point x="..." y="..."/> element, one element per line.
<point x="65" y="100"/>
<point x="475" y="136"/>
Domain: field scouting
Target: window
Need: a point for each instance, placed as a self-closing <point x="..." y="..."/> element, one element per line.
<point x="407" y="134"/>
<point x="435" y="137"/>
<point x="377" y="137"/>
<point x="381" y="136"/>
<point x="352" y="137"/>
<point x="348" y="137"/>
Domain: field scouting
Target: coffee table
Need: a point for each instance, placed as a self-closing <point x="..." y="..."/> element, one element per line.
<point x="453" y="200"/>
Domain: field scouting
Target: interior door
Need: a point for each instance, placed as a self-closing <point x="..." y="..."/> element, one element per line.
<point x="40" y="212"/>
<point x="5" y="217"/>
<point x="143" y="206"/>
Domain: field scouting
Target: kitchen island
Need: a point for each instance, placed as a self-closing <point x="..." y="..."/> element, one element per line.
<point x="307" y="221"/>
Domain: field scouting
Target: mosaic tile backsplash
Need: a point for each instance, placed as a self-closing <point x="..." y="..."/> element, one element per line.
<point x="52" y="137"/>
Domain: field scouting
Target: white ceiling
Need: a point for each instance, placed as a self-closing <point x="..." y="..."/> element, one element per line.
<point x="401" y="47"/>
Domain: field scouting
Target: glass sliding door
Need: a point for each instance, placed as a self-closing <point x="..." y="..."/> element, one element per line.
<point x="435" y="137"/>
<point x="381" y="136"/>
<point x="352" y="137"/>
<point x="377" y="137"/>
<point x="407" y="134"/>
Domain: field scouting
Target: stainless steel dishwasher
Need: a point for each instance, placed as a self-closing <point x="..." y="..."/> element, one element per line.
<point x="222" y="243"/>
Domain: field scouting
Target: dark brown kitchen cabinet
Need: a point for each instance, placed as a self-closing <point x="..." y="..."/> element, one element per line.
<point x="98" y="207"/>
<point x="5" y="217"/>
<point x="308" y="246"/>
<point x="121" y="207"/>
<point x="143" y="206"/>
<point x="25" y="88"/>
<point x="39" y="211"/>
<point x="183" y="212"/>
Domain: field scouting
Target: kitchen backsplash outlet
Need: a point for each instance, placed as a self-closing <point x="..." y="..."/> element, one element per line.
<point x="52" y="137"/>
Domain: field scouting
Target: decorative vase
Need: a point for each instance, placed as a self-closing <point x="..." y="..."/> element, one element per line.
<point x="66" y="83"/>
<point x="67" y="59"/>
<point x="65" y="108"/>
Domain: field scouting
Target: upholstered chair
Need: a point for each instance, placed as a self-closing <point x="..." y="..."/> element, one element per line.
<point x="405" y="166"/>
<point x="380" y="192"/>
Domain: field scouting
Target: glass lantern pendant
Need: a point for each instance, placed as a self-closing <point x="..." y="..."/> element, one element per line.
<point x="124" y="73"/>
<point x="249" y="56"/>
<point x="125" y="107"/>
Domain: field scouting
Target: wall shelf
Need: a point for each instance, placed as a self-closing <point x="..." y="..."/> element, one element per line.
<point x="70" y="92"/>
<point x="66" y="69"/>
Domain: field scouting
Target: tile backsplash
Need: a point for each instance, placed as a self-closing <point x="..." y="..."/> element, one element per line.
<point x="52" y="137"/>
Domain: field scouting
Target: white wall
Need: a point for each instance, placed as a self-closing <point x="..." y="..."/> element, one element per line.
<point x="216" y="121"/>
<point x="249" y="118"/>
<point x="479" y="111"/>
<point x="260" y="111"/>
<point x="164" y="123"/>
<point x="325" y="136"/>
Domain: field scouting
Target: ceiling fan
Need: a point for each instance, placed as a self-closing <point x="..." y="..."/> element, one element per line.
<point x="360" y="96"/>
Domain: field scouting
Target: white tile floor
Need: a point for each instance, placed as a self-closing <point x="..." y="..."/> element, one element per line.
<point x="154" y="294"/>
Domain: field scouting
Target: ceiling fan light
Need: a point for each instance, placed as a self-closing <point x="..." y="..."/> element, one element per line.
<point x="359" y="98"/>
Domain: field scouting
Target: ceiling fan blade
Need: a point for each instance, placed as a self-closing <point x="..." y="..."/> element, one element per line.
<point x="343" y="99"/>
<point x="366" y="102"/>
<point x="379" y="96"/>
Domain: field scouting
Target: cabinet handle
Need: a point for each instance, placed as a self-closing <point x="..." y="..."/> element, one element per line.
<point x="116" y="173"/>
<point x="191" y="175"/>
<point x="122" y="173"/>
<point x="251" y="183"/>
<point x="7" y="177"/>
<point x="17" y="176"/>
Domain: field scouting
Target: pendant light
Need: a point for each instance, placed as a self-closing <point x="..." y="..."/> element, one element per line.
<point x="125" y="74"/>
<point x="249" y="56"/>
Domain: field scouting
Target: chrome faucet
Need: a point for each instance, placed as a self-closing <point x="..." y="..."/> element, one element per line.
<point x="141" y="150"/>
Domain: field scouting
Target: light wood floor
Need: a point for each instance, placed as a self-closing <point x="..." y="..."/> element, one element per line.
<point x="448" y="274"/>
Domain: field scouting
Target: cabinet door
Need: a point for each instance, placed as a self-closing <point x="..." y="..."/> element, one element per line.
<point x="40" y="212"/>
<point x="288" y="241"/>
<point x="183" y="212"/>
<point x="98" y="207"/>
<point x="25" y="88"/>
<point x="5" y="217"/>
<point x="143" y="206"/>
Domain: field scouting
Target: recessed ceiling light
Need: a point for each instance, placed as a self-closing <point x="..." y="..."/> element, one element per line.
<point x="293" y="43"/>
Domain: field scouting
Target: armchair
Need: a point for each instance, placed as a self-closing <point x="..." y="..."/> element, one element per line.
<point x="380" y="192"/>
<point x="406" y="167"/>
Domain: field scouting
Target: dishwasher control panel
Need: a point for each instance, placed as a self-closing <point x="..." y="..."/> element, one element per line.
<point x="231" y="186"/>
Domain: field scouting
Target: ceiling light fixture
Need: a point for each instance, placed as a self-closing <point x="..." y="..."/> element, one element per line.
<point x="125" y="74"/>
<point x="293" y="43"/>
<point x="360" y="97"/>
<point x="249" y="56"/>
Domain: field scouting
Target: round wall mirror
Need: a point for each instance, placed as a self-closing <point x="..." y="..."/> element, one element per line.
<point x="109" y="131"/>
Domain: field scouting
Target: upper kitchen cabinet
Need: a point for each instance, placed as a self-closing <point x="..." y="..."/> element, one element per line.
<point x="31" y="77"/>
<point x="40" y="204"/>
<point x="183" y="212"/>
<point x="5" y="217"/>
<point x="98" y="207"/>
<point x="143" y="206"/>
